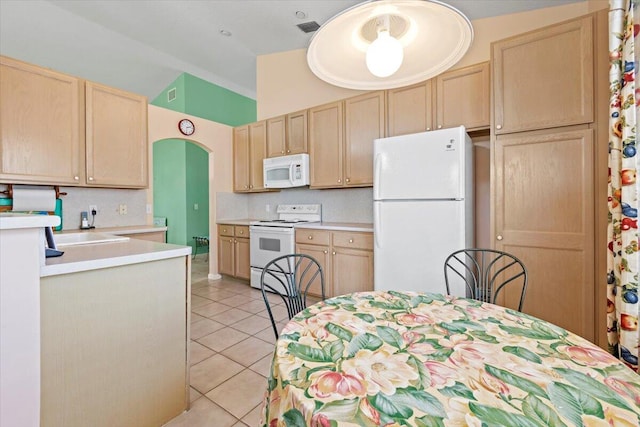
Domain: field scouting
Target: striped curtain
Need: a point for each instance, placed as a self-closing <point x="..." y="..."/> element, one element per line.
<point x="623" y="258"/>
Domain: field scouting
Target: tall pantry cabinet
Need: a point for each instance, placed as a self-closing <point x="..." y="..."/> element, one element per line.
<point x="546" y="174"/>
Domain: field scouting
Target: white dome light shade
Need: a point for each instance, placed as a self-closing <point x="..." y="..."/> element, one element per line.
<point x="384" y="56"/>
<point x="434" y="37"/>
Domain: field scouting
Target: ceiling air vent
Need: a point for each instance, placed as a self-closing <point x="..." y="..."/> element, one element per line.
<point x="171" y="94"/>
<point x="309" y="27"/>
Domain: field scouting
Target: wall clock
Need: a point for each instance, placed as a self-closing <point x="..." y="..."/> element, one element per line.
<point x="186" y="126"/>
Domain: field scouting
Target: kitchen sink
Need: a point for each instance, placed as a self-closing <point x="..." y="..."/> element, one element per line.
<point x="90" y="238"/>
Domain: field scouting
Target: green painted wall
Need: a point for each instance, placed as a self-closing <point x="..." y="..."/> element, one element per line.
<point x="216" y="103"/>
<point x="197" y="183"/>
<point x="169" y="187"/>
<point x="200" y="98"/>
<point x="178" y="104"/>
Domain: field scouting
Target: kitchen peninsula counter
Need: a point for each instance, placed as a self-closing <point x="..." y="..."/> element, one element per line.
<point x="104" y="255"/>
<point x="363" y="227"/>
<point x="115" y="330"/>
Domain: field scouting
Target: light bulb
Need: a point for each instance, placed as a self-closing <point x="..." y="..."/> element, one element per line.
<point x="384" y="55"/>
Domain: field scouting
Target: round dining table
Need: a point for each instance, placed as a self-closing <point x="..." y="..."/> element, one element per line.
<point x="419" y="359"/>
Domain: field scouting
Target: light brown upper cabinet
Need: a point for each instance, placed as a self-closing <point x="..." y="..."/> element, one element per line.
<point x="454" y="98"/>
<point x="341" y="148"/>
<point x="41" y="125"/>
<point x="409" y="109"/>
<point x="544" y="78"/>
<point x="116" y="137"/>
<point x="249" y="150"/>
<point x="287" y="135"/>
<point x="58" y="129"/>
<point x="462" y="98"/>
<point x="277" y="136"/>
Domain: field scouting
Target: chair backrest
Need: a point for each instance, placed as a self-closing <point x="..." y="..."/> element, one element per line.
<point x="290" y="277"/>
<point x="485" y="273"/>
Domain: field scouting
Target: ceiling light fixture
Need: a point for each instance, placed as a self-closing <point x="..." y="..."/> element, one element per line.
<point x="383" y="44"/>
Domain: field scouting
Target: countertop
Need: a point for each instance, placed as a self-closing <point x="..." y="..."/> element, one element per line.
<point x="10" y="221"/>
<point x="112" y="254"/>
<point x="339" y="226"/>
<point x="130" y="229"/>
<point x="236" y="221"/>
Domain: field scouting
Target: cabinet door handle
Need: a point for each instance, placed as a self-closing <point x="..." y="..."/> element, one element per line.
<point x="499" y="237"/>
<point x="241" y="232"/>
<point x="251" y="186"/>
<point x="76" y="178"/>
<point x="439" y="126"/>
<point x="282" y="152"/>
<point x="288" y="151"/>
<point x="333" y="253"/>
<point x="350" y="240"/>
<point x="90" y="178"/>
<point x="428" y="128"/>
<point x="339" y="181"/>
<point x="310" y="237"/>
<point x="246" y="187"/>
<point x="498" y="127"/>
<point x="347" y="180"/>
<point x="325" y="252"/>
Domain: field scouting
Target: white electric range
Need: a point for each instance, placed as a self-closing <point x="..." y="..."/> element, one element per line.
<point x="273" y="238"/>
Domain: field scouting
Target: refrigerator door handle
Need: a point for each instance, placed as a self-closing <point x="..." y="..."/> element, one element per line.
<point x="377" y="169"/>
<point x="377" y="225"/>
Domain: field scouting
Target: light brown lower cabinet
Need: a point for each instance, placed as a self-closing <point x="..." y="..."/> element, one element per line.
<point x="346" y="259"/>
<point x="233" y="251"/>
<point x="114" y="345"/>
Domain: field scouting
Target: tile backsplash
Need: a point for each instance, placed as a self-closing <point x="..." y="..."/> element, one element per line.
<point x="340" y="205"/>
<point x="108" y="202"/>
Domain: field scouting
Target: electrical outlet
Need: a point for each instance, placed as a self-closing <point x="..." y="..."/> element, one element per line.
<point x="267" y="208"/>
<point x="149" y="208"/>
<point x="195" y="206"/>
<point x="122" y="210"/>
<point x="93" y="208"/>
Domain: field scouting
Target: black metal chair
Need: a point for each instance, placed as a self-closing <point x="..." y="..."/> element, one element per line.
<point x="290" y="277"/>
<point x="485" y="273"/>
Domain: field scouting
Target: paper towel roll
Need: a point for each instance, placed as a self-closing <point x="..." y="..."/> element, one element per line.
<point x="34" y="199"/>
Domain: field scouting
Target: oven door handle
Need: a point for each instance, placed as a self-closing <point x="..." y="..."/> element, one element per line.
<point x="266" y="230"/>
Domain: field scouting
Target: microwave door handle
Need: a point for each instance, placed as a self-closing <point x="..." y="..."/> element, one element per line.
<point x="291" y="173"/>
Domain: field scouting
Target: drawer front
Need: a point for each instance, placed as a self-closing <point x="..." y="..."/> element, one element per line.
<point x="242" y="231"/>
<point x="225" y="230"/>
<point x="347" y="239"/>
<point x="312" y="237"/>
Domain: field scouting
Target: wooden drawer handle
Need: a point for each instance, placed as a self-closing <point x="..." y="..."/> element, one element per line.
<point x="350" y="240"/>
<point x="310" y="237"/>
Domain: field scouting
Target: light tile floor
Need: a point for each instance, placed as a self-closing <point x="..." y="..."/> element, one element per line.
<point x="232" y="343"/>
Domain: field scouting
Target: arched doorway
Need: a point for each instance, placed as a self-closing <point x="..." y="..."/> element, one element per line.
<point x="216" y="140"/>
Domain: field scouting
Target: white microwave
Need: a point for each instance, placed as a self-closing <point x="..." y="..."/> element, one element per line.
<point x="286" y="171"/>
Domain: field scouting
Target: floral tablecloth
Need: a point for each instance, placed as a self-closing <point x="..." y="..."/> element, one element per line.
<point x="409" y="359"/>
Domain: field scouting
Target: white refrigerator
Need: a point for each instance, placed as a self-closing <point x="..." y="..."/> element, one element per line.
<point x="422" y="208"/>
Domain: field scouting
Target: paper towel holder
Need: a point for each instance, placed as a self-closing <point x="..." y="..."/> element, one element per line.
<point x="9" y="191"/>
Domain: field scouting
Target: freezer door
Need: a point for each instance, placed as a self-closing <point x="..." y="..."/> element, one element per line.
<point x="412" y="240"/>
<point x="428" y="165"/>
